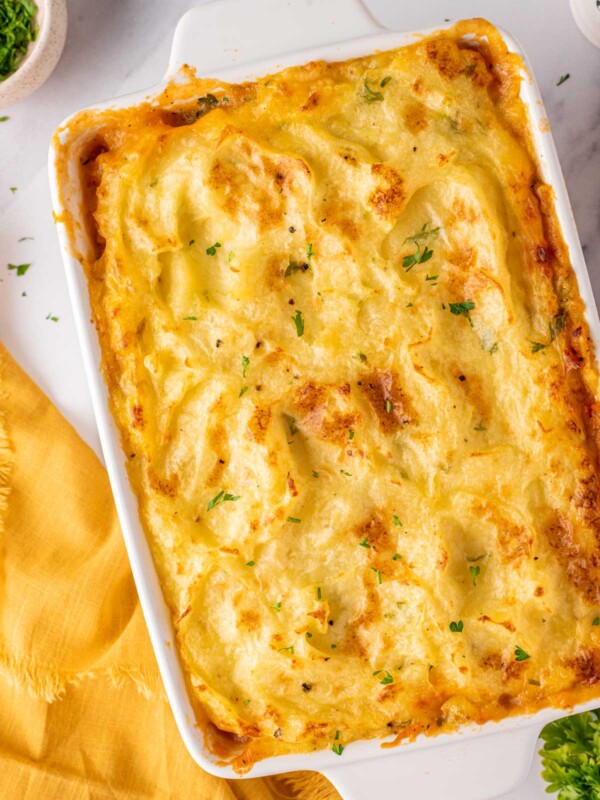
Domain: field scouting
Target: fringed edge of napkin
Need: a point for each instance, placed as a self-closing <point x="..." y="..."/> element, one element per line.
<point x="309" y="785"/>
<point x="44" y="682"/>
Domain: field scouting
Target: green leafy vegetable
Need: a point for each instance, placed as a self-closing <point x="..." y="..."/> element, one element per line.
<point x="596" y="621"/>
<point x="17" y="30"/>
<point x="20" y="268"/>
<point x="378" y="573"/>
<point x="396" y="557"/>
<point x="457" y="627"/>
<point x="245" y="363"/>
<point x="277" y="606"/>
<point x="369" y="96"/>
<point x="250" y="563"/>
<point x="419" y="256"/>
<point x="396" y="519"/>
<point x="52" y="318"/>
<point x="570" y="760"/>
<point x="222" y="497"/>
<point x="295" y="520"/>
<point x="212" y="250"/>
<point x="387" y="677"/>
<point x="298" y="321"/>
<point x="309" y="252"/>
<point x="243" y="391"/>
<point x="520" y="654"/>
<point x="537" y="346"/>
<point x="364" y="543"/>
<point x="462" y="310"/>
<point x="474" y="574"/>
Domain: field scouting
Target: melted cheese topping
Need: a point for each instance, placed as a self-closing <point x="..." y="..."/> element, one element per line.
<point x="350" y="366"/>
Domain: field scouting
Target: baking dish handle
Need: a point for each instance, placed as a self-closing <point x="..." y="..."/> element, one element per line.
<point x="228" y="33"/>
<point x="478" y="768"/>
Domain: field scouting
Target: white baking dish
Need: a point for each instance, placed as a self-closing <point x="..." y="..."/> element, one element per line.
<point x="231" y="39"/>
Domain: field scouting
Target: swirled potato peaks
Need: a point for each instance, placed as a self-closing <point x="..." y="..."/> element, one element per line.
<point x="353" y="377"/>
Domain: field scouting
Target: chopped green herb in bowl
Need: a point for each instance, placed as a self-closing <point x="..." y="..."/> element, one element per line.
<point x="17" y="30"/>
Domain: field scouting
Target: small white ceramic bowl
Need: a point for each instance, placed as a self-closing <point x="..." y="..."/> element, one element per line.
<point x="42" y="55"/>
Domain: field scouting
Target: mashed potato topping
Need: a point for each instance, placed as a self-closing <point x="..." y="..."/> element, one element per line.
<point x="349" y="362"/>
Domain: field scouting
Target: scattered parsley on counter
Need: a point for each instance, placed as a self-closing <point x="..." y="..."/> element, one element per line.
<point x="222" y="497"/>
<point x="13" y="189"/>
<point x="474" y="574"/>
<point x="4" y="119"/>
<point x="212" y="250"/>
<point x="520" y="654"/>
<point x="21" y="269"/>
<point x="563" y="78"/>
<point x="17" y="30"/>
<point x="457" y="627"/>
<point x="369" y="96"/>
<point x="52" y="318"/>
<point x="298" y="321"/>
<point x="25" y="239"/>
<point x="570" y="756"/>
<point x="387" y="677"/>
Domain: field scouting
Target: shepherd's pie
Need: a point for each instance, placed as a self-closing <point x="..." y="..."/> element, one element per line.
<point x="350" y="366"/>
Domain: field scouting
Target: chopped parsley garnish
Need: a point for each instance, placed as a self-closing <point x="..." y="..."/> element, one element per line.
<point x="396" y="557"/>
<point x="26" y="239"/>
<point x="206" y="102"/>
<point x="277" y="606"/>
<point x="318" y="592"/>
<point x="537" y="346"/>
<point x="369" y="96"/>
<point x="289" y="650"/>
<point x="457" y="627"/>
<point x="474" y="574"/>
<point x="480" y="427"/>
<point x="396" y="519"/>
<point x="365" y="543"/>
<point x="462" y="310"/>
<point x="222" y="497"/>
<point x="245" y="363"/>
<point x="338" y="748"/>
<point x="431" y="277"/>
<point x="243" y="390"/>
<point x="20" y="268"/>
<point x="385" y="81"/>
<point x="378" y="573"/>
<point x="520" y="654"/>
<point x="315" y="473"/>
<point x="534" y="683"/>
<point x="293" y="267"/>
<point x="596" y="621"/>
<point x="308" y="635"/>
<point x="250" y="563"/>
<point x="563" y="78"/>
<point x="309" y="252"/>
<point x="295" y="520"/>
<point x="347" y="474"/>
<point x="350" y="434"/>
<point x="191" y="242"/>
<point x="387" y="676"/>
<point x="52" y="318"/>
<point x="154" y="183"/>
<point x="3" y="119"/>
<point x="231" y="256"/>
<point x="362" y="357"/>
<point x="388" y="406"/>
<point x="493" y="348"/>
<point x="419" y="256"/>
<point x="298" y="321"/>
<point x="557" y="325"/>
<point x="13" y="189"/>
<point x="190" y="318"/>
<point x="212" y="250"/>
<point x="17" y="30"/>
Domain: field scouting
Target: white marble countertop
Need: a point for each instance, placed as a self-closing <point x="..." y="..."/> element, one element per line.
<point x="114" y="47"/>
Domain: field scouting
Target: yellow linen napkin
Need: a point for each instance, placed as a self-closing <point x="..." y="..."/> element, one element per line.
<point x="82" y="706"/>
